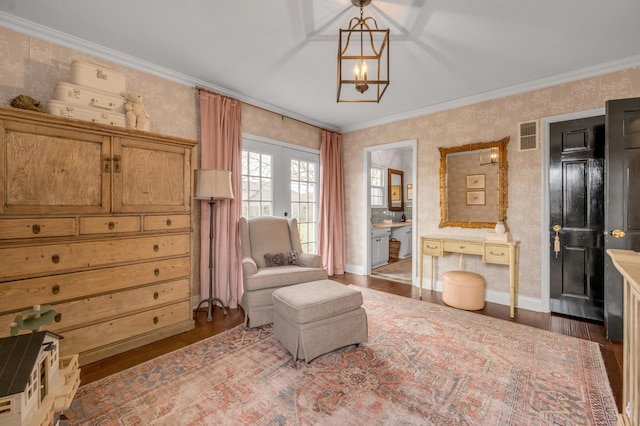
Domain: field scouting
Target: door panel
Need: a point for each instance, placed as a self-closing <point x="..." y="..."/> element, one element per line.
<point x="52" y="170"/>
<point x="622" y="203"/>
<point x="576" y="198"/>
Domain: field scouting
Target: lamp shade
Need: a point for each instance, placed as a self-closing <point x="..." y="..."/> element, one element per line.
<point x="213" y="184"/>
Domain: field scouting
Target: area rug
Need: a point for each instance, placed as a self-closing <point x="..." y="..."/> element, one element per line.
<point x="395" y="271"/>
<point x="423" y="364"/>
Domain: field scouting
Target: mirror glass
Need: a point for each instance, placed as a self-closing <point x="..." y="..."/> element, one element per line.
<point x="395" y="185"/>
<point x="473" y="185"/>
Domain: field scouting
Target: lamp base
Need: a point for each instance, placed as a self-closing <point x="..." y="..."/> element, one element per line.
<point x="209" y="301"/>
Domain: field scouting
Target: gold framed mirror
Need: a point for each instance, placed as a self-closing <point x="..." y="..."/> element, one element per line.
<point x="395" y="191"/>
<point x="473" y="185"/>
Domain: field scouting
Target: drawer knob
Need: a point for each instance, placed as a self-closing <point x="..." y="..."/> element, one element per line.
<point x="58" y="318"/>
<point x="168" y="222"/>
<point x="111" y="225"/>
<point x="155" y="295"/>
<point x="462" y="247"/>
<point x="35" y="229"/>
<point x="156" y="272"/>
<point x="156" y="247"/>
<point x="55" y="289"/>
<point x="155" y="320"/>
<point x="55" y="258"/>
<point x="497" y="254"/>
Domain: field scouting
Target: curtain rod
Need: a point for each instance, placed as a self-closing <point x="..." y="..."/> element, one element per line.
<point x="204" y="89"/>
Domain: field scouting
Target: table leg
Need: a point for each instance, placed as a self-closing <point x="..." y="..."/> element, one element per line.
<point x="420" y="270"/>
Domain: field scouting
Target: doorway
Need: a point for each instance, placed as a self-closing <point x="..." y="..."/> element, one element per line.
<point x="280" y="179"/>
<point x="387" y="152"/>
<point x="576" y="215"/>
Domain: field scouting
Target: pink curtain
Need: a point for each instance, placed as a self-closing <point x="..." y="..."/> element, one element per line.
<point x="332" y="243"/>
<point x="221" y="148"/>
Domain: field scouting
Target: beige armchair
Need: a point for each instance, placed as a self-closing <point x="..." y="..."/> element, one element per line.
<point x="284" y="265"/>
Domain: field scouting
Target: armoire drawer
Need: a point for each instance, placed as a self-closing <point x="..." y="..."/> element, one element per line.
<point x="167" y="223"/>
<point x="50" y="258"/>
<point x="109" y="224"/>
<point x="94" y="309"/>
<point x="22" y="294"/>
<point x="109" y="332"/>
<point x="11" y="229"/>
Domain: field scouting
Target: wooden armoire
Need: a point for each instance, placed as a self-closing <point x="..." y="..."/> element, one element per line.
<point x="96" y="221"/>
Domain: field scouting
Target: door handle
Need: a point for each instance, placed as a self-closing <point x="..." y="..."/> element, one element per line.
<point x="556" y="239"/>
<point x="616" y="233"/>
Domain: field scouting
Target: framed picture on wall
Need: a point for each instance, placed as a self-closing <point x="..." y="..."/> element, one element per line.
<point x="475" y="198"/>
<point x="475" y="181"/>
<point x="395" y="193"/>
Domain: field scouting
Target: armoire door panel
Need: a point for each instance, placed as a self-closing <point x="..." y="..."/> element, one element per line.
<point x="48" y="170"/>
<point x="151" y="177"/>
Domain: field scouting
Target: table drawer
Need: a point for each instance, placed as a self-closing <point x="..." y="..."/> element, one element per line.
<point x="463" y="247"/>
<point x="496" y="254"/>
<point x="167" y="223"/>
<point x="432" y="247"/>
<point x="47" y="259"/>
<point x="109" y="224"/>
<point x="108" y="332"/>
<point x="11" y="229"/>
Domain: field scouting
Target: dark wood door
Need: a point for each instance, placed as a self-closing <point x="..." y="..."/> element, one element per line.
<point x="577" y="215"/>
<point x="622" y="200"/>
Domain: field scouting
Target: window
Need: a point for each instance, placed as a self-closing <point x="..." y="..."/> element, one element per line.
<point x="304" y="202"/>
<point x="268" y="169"/>
<point x="256" y="184"/>
<point x="377" y="187"/>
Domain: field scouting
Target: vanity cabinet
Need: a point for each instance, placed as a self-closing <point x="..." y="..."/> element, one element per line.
<point x="380" y="246"/>
<point x="96" y="221"/>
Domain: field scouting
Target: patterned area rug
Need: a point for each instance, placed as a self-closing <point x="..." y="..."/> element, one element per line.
<point x="424" y="364"/>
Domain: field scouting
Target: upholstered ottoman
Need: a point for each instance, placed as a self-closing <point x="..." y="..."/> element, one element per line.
<point x="463" y="290"/>
<point x="317" y="317"/>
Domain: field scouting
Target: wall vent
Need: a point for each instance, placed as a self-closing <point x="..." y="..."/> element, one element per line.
<point x="528" y="136"/>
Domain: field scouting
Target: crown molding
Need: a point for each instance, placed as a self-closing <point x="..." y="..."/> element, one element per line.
<point x="592" y="71"/>
<point x="45" y="33"/>
<point x="32" y="29"/>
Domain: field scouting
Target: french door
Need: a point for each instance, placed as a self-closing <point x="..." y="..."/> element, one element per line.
<point x="282" y="180"/>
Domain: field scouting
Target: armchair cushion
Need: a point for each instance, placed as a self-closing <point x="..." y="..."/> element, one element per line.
<point x="263" y="239"/>
<point x="281" y="259"/>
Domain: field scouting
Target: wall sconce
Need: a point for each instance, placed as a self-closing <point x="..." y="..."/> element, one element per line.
<point x="489" y="156"/>
<point x="354" y="73"/>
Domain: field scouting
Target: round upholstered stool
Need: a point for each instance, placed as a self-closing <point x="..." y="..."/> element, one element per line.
<point x="463" y="290"/>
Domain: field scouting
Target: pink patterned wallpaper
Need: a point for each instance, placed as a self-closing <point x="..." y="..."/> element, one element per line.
<point x="482" y="122"/>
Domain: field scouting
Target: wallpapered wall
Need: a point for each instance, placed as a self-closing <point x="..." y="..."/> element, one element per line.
<point x="482" y="122"/>
<point x="33" y="67"/>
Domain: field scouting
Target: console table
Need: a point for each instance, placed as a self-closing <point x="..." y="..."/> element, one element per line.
<point x="495" y="252"/>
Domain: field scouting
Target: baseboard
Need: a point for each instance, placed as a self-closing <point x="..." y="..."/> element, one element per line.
<point x="354" y="269"/>
<point x="500" y="298"/>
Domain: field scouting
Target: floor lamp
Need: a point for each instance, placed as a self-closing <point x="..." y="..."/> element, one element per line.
<point x="212" y="185"/>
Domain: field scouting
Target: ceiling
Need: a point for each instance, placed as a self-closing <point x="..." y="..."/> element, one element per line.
<point x="281" y="54"/>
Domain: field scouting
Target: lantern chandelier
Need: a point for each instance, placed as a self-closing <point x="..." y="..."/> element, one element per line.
<point x="363" y="59"/>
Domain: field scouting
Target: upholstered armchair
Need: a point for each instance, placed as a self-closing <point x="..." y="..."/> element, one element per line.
<point x="272" y="258"/>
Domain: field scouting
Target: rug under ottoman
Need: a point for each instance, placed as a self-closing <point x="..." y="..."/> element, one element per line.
<point x="317" y="317"/>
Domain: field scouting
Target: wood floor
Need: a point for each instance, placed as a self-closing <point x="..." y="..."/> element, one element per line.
<point x="611" y="351"/>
